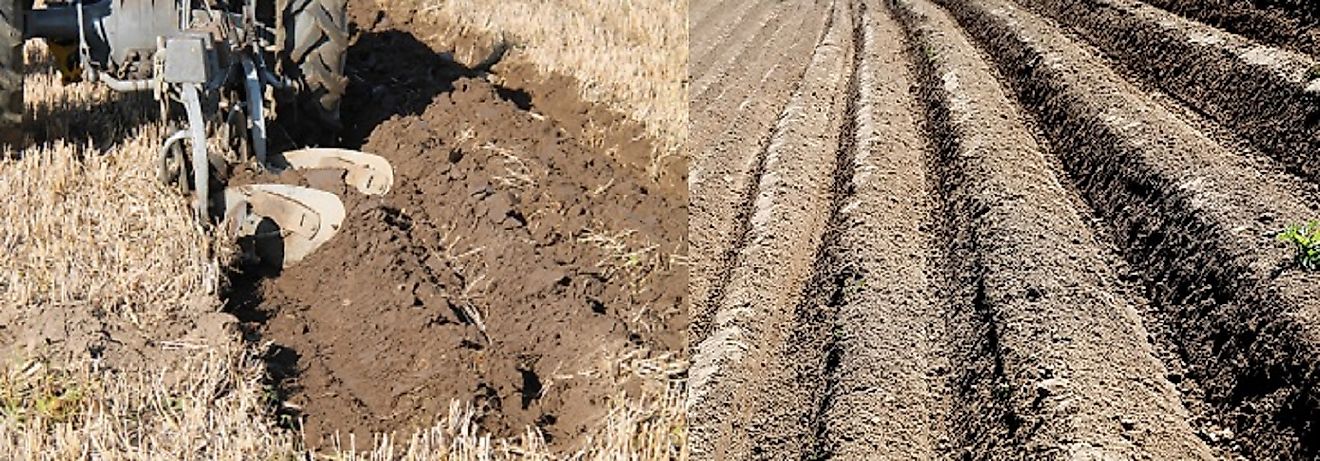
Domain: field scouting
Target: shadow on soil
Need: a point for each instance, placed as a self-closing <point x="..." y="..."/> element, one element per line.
<point x="102" y="124"/>
<point x="391" y="73"/>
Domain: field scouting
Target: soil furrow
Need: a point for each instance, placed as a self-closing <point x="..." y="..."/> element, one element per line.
<point x="1269" y="95"/>
<point x="804" y="364"/>
<point x="727" y="22"/>
<point x="1269" y="21"/>
<point x="1198" y="220"/>
<point x="880" y="401"/>
<point x="785" y="41"/>
<point x="713" y="57"/>
<point x="724" y="173"/>
<point x="733" y="57"/>
<point x="1050" y="359"/>
<point x="700" y="12"/>
<point x="732" y="368"/>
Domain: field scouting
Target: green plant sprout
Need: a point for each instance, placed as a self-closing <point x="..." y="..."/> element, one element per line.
<point x="1306" y="239"/>
<point x="27" y="395"/>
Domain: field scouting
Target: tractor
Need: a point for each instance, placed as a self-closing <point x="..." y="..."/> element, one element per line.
<point x="219" y="69"/>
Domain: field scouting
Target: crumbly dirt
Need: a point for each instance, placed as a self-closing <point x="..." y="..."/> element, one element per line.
<point x="1264" y="94"/>
<point x="516" y="258"/>
<point x="407" y="33"/>
<point x="1294" y="24"/>
<point x="1209" y="321"/>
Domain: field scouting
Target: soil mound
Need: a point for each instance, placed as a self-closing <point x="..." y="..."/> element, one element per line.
<point x="513" y="263"/>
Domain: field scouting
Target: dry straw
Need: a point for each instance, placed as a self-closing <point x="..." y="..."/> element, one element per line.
<point x="86" y="229"/>
<point x="628" y="54"/>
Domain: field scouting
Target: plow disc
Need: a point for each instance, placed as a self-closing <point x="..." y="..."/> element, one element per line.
<point x="283" y="223"/>
<point x="217" y="68"/>
<point x="369" y="174"/>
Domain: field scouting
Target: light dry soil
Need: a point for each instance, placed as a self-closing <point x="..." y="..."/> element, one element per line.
<point x="998" y="229"/>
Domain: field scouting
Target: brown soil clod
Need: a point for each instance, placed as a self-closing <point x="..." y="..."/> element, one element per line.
<point x="511" y="265"/>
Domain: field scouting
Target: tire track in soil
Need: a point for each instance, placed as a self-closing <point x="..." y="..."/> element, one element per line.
<point x="884" y="394"/>
<point x="1269" y="95"/>
<point x="728" y="163"/>
<point x="1197" y="220"/>
<point x="735" y="377"/>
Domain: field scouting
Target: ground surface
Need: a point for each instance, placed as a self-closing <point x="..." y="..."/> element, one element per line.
<point x="512" y="262"/>
<point x="999" y="229"/>
<point x="525" y="279"/>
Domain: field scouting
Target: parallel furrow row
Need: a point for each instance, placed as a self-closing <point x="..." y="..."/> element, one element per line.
<point x="1050" y="359"/>
<point x="1196" y="218"/>
<point x="885" y="396"/>
<point x="725" y="22"/>
<point x="733" y="371"/>
<point x="729" y="139"/>
<point x="700" y="11"/>
<point x="786" y="20"/>
<point x="953" y="231"/>
<point x="707" y="60"/>
<point x="1269" y="95"/>
<point x="1294" y="24"/>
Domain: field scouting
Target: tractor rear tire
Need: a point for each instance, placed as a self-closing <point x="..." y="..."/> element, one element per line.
<point x="11" y="71"/>
<point x="313" y="37"/>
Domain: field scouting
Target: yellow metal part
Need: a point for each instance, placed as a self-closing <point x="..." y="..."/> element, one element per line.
<point x="66" y="60"/>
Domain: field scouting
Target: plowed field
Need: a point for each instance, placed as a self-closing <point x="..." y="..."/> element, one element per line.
<point x="1000" y="229"/>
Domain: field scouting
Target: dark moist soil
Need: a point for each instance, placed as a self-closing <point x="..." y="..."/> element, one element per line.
<point x="465" y="283"/>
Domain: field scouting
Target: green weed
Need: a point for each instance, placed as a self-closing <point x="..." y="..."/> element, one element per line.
<point x="27" y="393"/>
<point x="1306" y="239"/>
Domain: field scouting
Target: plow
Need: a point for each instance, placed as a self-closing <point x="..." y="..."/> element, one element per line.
<point x="220" y="70"/>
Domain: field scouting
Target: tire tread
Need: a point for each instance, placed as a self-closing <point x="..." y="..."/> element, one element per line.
<point x="11" y="69"/>
<point x="314" y="36"/>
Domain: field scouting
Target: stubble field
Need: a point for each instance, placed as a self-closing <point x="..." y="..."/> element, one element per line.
<point x="521" y="292"/>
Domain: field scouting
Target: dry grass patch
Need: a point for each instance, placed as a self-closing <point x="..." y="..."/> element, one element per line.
<point x="212" y="406"/>
<point x="91" y="241"/>
<point x="88" y="226"/>
<point x="630" y="55"/>
<point x="89" y="233"/>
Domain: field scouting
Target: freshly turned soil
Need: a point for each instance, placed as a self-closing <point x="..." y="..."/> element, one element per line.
<point x="480" y="277"/>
